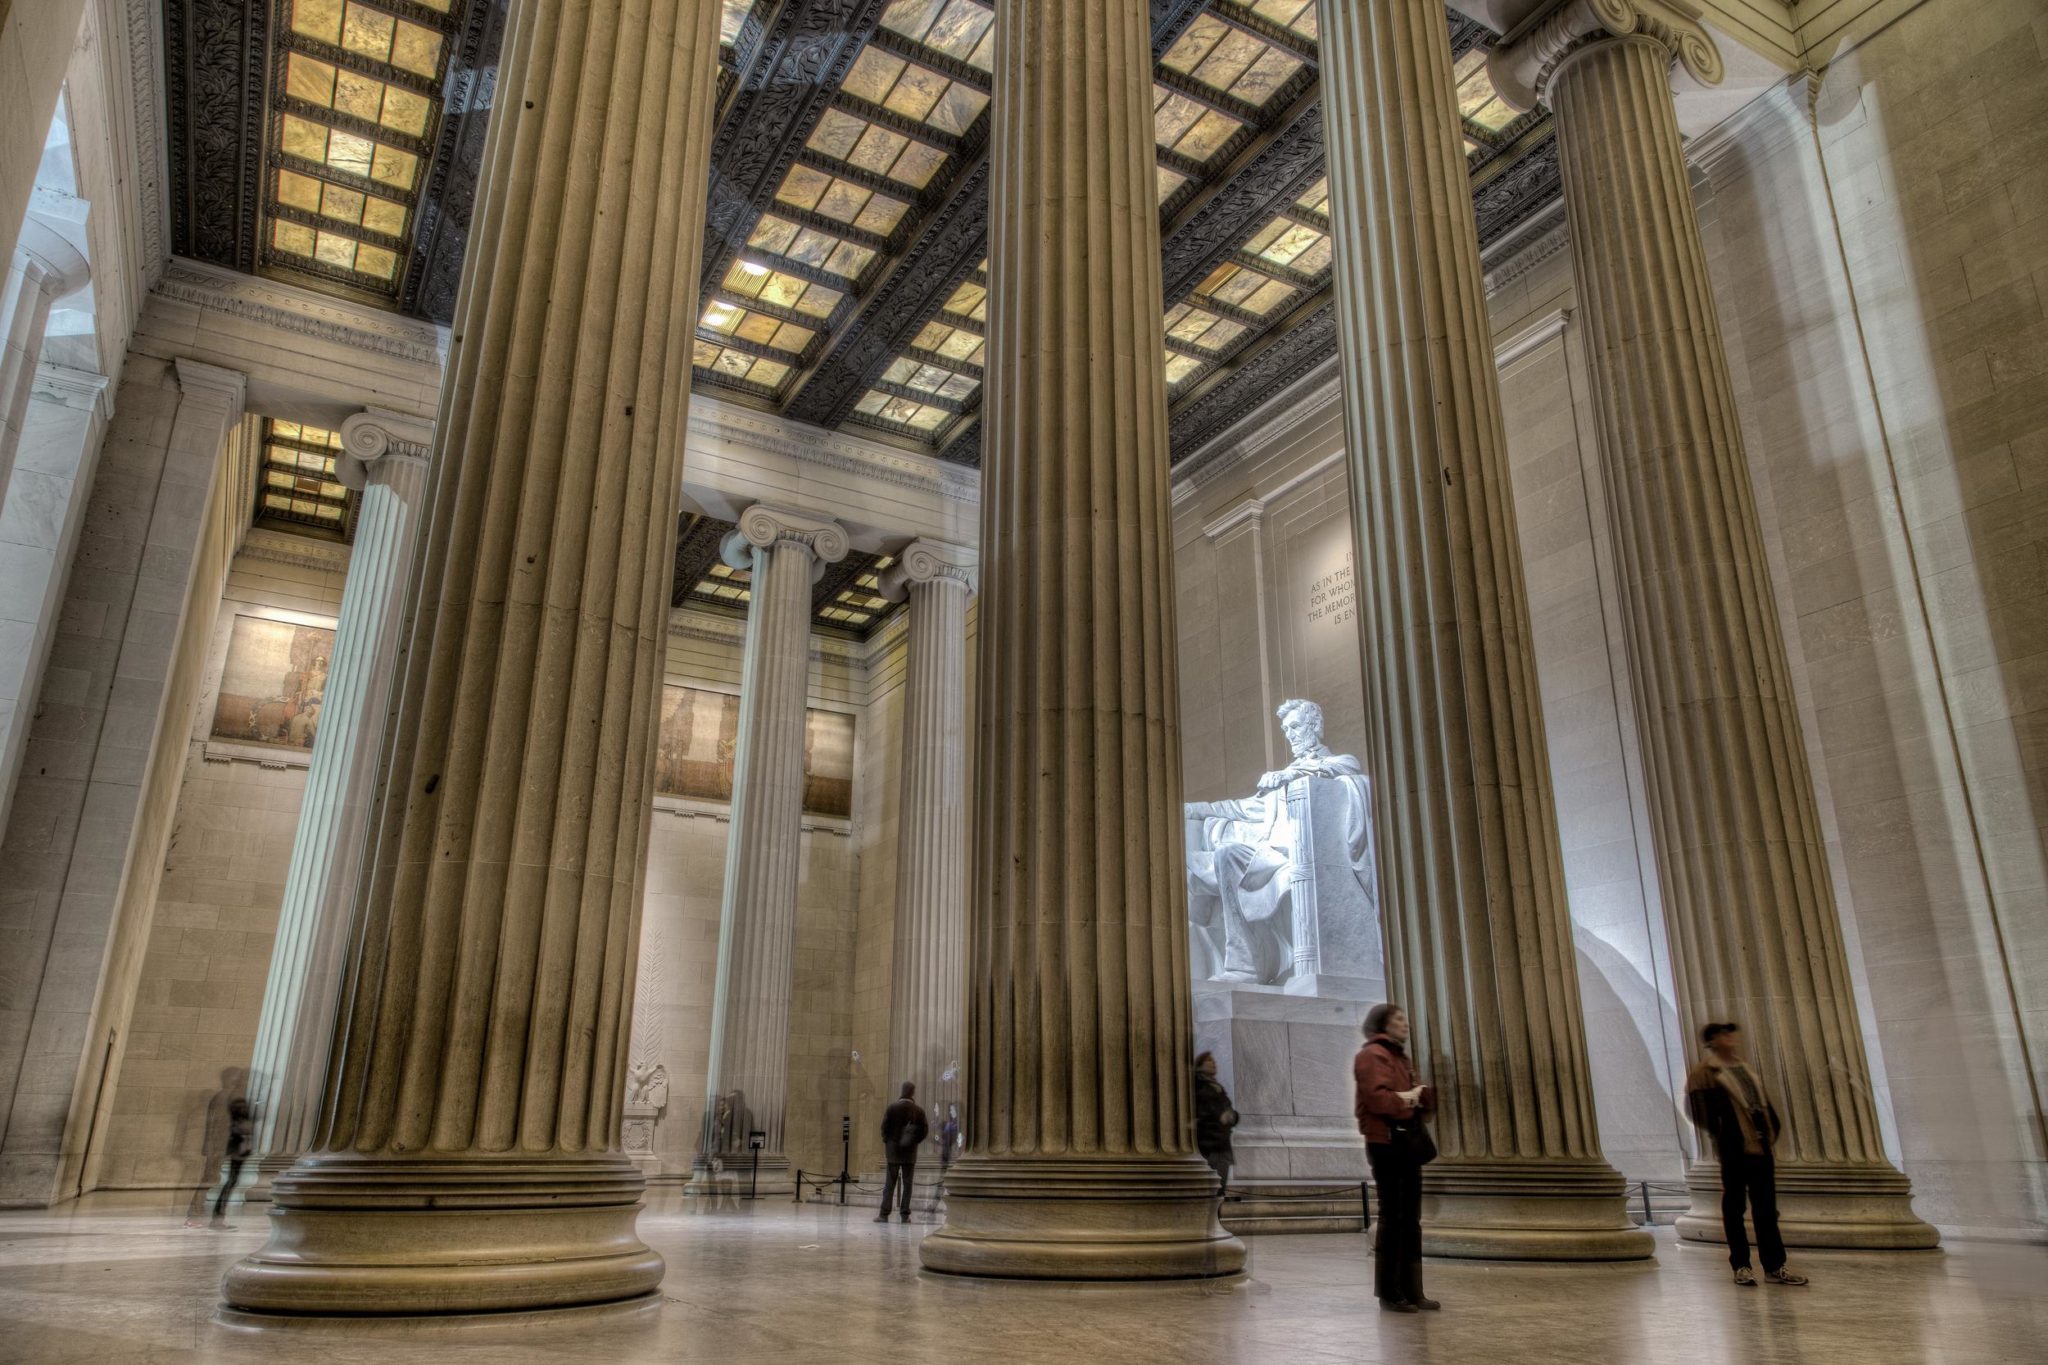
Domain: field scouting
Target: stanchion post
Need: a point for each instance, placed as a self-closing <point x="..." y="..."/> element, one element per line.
<point x="1364" y="1207"/>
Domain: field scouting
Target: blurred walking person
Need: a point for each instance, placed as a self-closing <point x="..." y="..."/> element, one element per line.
<point x="903" y="1128"/>
<point x="230" y="1132"/>
<point x="1390" y="1106"/>
<point x="1727" y="1100"/>
<point x="1214" y="1118"/>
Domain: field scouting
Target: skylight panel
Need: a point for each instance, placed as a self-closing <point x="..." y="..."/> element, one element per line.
<point x="932" y="379"/>
<point x="920" y="418"/>
<point x="1179" y="368"/>
<point x="841" y="200"/>
<point x="1317" y="200"/>
<point x="297" y="482"/>
<point x="349" y="153"/>
<point x="1181" y="124"/>
<point x="1247" y="289"/>
<point x="728" y="320"/>
<point x="1477" y="99"/>
<point x="756" y="281"/>
<point x="808" y="246"/>
<point x="1299" y="15"/>
<point x="961" y="29"/>
<point x="954" y="343"/>
<point x="914" y="91"/>
<point x="1201" y="329"/>
<point x="735" y="364"/>
<point x="1231" y="61"/>
<point x="1297" y="246"/>
<point x="732" y="18"/>
<point x="371" y="33"/>
<point x="870" y="147"/>
<point x="356" y="95"/>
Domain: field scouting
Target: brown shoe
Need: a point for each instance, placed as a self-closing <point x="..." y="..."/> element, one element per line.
<point x="1745" y="1277"/>
<point x="1398" y="1306"/>
<point x="1783" y="1276"/>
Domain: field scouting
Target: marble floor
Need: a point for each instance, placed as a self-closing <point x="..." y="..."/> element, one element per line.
<point x="106" y="1281"/>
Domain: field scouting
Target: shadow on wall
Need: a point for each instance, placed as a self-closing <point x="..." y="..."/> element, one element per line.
<point x="1642" y="1131"/>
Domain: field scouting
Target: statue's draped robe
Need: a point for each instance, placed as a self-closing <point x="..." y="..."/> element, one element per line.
<point x="1239" y="874"/>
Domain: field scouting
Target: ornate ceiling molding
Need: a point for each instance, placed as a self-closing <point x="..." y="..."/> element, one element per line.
<point x="448" y="199"/>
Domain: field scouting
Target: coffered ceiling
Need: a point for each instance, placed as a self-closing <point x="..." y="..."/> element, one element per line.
<point x="335" y="144"/>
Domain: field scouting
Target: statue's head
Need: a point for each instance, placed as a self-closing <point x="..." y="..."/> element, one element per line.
<point x="1302" y="723"/>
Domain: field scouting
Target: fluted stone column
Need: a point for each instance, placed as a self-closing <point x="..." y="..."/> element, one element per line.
<point x="1477" y="930"/>
<point x="784" y="553"/>
<point x="1081" y="1160"/>
<point x="1755" y="934"/>
<point x="468" y="1156"/>
<point x="384" y="458"/>
<point x="928" y="985"/>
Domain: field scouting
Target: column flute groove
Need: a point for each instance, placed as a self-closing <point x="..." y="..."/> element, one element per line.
<point x="1754" y="929"/>
<point x="468" y="1155"/>
<point x="1478" y="933"/>
<point x="1081" y="1161"/>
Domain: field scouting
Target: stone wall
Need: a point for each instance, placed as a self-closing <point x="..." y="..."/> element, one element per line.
<point x="1880" y="249"/>
<point x="200" y="987"/>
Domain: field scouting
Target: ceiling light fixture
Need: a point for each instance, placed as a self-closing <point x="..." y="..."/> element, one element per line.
<point x="752" y="269"/>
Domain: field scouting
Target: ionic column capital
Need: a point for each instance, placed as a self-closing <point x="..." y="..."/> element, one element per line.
<point x="929" y="561"/>
<point x="1525" y="64"/>
<point x="375" y="434"/>
<point x="762" y="526"/>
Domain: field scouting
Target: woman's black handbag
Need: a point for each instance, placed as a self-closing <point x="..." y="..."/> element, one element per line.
<point x="1411" y="1138"/>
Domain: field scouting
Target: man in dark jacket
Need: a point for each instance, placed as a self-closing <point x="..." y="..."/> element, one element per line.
<point x="1214" y="1118"/>
<point x="903" y="1128"/>
<point x="1728" y="1101"/>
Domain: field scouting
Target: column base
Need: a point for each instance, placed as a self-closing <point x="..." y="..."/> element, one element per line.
<point x="1862" y="1208"/>
<point x="1065" y="1218"/>
<point x="429" y="1236"/>
<point x="259" y="1179"/>
<point x="1540" y="1210"/>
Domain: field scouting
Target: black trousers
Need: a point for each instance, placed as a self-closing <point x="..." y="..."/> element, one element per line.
<point x="902" y="1175"/>
<point x="1397" y="1247"/>
<point x="227" y="1187"/>
<point x="1754" y="1178"/>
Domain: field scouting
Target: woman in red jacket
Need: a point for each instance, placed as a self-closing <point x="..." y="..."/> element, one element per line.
<point x="1390" y="1104"/>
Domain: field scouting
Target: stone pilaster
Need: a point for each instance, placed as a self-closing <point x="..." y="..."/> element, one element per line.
<point x="1478" y="935"/>
<point x="1755" y="934"/>
<point x="747" y="1081"/>
<point x="1079" y="1116"/>
<point x="384" y="458"/>
<point x="927" y="984"/>
<point x="468" y="1150"/>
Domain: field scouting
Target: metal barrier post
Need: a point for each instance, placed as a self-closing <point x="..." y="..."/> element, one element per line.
<point x="1647" y="1218"/>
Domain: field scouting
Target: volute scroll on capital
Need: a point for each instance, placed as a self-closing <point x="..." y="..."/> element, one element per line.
<point x="761" y="526"/>
<point x="1526" y="63"/>
<point x="376" y="434"/>
<point x="929" y="561"/>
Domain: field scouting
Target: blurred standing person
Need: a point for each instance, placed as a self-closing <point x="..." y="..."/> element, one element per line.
<point x="949" y="1147"/>
<point x="1214" y="1118"/>
<point x="904" y="1126"/>
<point x="230" y="1129"/>
<point x="1390" y="1106"/>
<point x="1728" y="1101"/>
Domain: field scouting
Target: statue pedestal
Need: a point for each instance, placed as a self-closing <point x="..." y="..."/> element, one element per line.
<point x="1286" y="1061"/>
<point x="636" y="1136"/>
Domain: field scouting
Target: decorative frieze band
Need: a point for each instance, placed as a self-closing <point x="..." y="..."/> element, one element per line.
<point x="294" y="310"/>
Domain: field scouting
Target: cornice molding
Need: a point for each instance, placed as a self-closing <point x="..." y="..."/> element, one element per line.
<point x="730" y="632"/>
<point x="146" y="96"/>
<point x="1526" y="247"/>
<point x="1265" y="425"/>
<point x="296" y="310"/>
<point x="715" y="420"/>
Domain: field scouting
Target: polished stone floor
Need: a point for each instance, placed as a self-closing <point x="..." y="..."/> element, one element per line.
<point x="107" y="1281"/>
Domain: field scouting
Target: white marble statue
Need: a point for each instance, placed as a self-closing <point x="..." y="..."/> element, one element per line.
<point x="1266" y="905"/>
<point x="647" y="1085"/>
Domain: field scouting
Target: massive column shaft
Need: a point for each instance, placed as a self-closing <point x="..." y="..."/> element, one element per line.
<point x="927" y="986"/>
<point x="1478" y="934"/>
<point x="1081" y="1161"/>
<point x="384" y="458"/>
<point x="468" y="1155"/>
<point x="747" y="1085"/>
<point x="1755" y="934"/>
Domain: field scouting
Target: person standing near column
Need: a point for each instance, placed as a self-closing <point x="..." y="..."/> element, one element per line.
<point x="903" y="1128"/>
<point x="1214" y="1118"/>
<point x="1728" y="1101"/>
<point x="1390" y="1104"/>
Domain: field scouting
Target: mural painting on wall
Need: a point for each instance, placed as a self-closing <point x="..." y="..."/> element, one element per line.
<point x="700" y="732"/>
<point x="272" y="685"/>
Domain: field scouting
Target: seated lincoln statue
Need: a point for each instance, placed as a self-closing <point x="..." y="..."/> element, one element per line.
<point x="1280" y="884"/>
